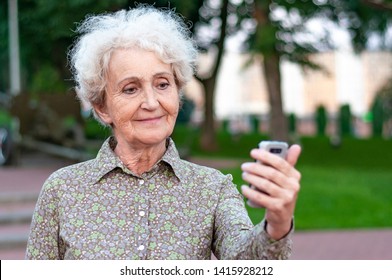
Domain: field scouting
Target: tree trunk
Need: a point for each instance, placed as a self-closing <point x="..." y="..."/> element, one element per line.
<point x="278" y="126"/>
<point x="208" y="139"/>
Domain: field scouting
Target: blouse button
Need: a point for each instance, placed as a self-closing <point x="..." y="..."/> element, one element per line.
<point x="142" y="213"/>
<point x="141" y="248"/>
<point x="141" y="182"/>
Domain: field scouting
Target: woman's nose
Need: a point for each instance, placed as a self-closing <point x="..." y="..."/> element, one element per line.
<point x="150" y="99"/>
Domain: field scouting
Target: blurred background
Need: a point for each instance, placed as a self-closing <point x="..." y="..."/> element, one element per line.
<point x="313" y="72"/>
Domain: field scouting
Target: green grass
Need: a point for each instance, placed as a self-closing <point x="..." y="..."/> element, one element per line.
<point x="367" y="154"/>
<point x="348" y="187"/>
<point x="344" y="198"/>
<point x="345" y="187"/>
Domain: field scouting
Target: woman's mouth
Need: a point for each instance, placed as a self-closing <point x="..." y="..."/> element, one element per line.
<point x="151" y="120"/>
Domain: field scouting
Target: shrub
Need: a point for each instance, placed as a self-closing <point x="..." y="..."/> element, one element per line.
<point x="377" y="117"/>
<point x="292" y="123"/>
<point x="321" y="120"/>
<point x="345" y="125"/>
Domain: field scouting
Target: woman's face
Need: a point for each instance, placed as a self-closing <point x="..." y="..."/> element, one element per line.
<point x="141" y="101"/>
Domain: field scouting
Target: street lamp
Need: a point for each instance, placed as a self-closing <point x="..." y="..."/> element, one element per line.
<point x="15" y="84"/>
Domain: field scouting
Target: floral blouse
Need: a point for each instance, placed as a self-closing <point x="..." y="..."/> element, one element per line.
<point x="99" y="209"/>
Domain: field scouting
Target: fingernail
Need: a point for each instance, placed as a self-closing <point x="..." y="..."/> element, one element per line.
<point x="243" y="175"/>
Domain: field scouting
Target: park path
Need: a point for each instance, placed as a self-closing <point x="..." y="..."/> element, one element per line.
<point x="19" y="189"/>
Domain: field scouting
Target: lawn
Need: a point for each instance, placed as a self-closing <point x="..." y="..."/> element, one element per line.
<point x="344" y="198"/>
<point x="349" y="186"/>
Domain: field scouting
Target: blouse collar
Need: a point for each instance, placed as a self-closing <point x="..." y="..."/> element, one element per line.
<point x="106" y="160"/>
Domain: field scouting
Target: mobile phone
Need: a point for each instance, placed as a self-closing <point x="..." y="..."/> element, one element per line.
<point x="275" y="147"/>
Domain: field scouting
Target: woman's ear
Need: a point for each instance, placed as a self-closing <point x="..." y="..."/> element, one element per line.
<point x="102" y="113"/>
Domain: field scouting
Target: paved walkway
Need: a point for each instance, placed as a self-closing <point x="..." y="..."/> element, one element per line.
<point x="20" y="186"/>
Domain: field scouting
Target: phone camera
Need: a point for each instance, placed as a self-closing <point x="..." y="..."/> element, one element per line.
<point x="275" y="150"/>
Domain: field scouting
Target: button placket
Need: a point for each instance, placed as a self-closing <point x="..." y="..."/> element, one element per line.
<point x="141" y="213"/>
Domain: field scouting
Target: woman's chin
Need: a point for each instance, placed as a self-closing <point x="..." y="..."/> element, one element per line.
<point x="153" y="139"/>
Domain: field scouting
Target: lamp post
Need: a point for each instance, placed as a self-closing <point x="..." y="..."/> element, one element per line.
<point x="15" y="84"/>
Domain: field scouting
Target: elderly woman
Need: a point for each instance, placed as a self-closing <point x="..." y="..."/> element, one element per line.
<point x="137" y="199"/>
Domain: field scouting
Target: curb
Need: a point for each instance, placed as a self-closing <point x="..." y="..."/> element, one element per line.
<point x="19" y="217"/>
<point x="8" y="198"/>
<point x="13" y="241"/>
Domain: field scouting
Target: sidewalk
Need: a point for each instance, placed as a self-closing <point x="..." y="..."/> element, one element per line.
<point x="20" y="186"/>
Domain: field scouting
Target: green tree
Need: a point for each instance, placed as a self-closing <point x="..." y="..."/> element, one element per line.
<point x="208" y="139"/>
<point x="382" y="112"/>
<point x="276" y="36"/>
<point x="46" y="32"/>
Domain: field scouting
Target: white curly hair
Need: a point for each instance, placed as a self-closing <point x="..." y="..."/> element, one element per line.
<point x="159" y="30"/>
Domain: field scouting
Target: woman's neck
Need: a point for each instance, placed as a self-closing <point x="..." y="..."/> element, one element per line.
<point x="140" y="159"/>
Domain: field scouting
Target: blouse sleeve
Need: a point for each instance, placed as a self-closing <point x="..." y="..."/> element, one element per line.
<point x="43" y="240"/>
<point x="235" y="237"/>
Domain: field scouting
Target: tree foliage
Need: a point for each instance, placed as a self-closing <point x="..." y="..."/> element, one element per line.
<point x="278" y="29"/>
<point x="45" y="34"/>
<point x="382" y="112"/>
<point x="282" y="32"/>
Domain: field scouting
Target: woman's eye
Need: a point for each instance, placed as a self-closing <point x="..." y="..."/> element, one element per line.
<point x="163" y="85"/>
<point x="129" y="90"/>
